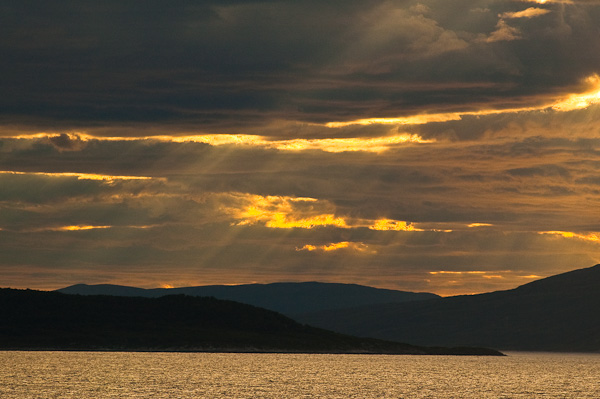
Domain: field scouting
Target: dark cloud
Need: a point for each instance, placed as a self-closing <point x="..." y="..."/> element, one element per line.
<point x="66" y="142"/>
<point x="230" y="64"/>
<point x="542" y="171"/>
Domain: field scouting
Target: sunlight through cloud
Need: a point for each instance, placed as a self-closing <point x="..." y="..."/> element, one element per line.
<point x="593" y="237"/>
<point x="567" y="103"/>
<point x="334" y="246"/>
<point x="81" y="176"/>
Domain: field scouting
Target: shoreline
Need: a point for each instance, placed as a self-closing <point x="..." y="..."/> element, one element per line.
<point x="433" y="352"/>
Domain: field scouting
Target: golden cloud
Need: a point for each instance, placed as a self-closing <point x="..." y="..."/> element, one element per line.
<point x="284" y="212"/>
<point x="78" y="227"/>
<point x="581" y="100"/>
<point x="561" y="1"/>
<point x="589" y="236"/>
<point x="395" y="225"/>
<point x="531" y="12"/>
<point x="80" y="176"/>
<point x="334" y="246"/>
<point x="568" y="102"/>
<point x="354" y="144"/>
<point x="83" y="227"/>
<point x="457" y="273"/>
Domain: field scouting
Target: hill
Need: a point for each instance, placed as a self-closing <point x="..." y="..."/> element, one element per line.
<point x="558" y="313"/>
<point x="288" y="298"/>
<point x="55" y="321"/>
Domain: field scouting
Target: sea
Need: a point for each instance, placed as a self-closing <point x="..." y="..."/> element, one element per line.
<point x="32" y="374"/>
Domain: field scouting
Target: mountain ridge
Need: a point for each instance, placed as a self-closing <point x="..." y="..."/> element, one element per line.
<point x="284" y="297"/>
<point x="557" y="313"/>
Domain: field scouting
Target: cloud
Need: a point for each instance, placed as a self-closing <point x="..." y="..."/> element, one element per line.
<point x="593" y="237"/>
<point x="389" y="34"/>
<point x="504" y="32"/>
<point x="210" y="67"/>
<point x="531" y="12"/>
<point x="66" y="142"/>
<point x="582" y="2"/>
<point x="588" y="96"/>
<point x="336" y="246"/>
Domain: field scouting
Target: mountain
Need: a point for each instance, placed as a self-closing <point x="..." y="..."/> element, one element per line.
<point x="288" y="298"/>
<point x="54" y="321"/>
<point x="558" y="313"/>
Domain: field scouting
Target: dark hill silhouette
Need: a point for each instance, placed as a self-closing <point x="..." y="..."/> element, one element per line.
<point x="287" y="298"/>
<point x="558" y="313"/>
<point x="51" y="320"/>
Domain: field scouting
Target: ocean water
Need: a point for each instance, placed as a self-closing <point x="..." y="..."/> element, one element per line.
<point x="213" y="375"/>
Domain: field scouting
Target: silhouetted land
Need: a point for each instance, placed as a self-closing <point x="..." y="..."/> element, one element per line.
<point x="287" y="298"/>
<point x="37" y="320"/>
<point x="558" y="313"/>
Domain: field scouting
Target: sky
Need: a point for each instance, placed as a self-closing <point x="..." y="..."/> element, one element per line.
<point x="440" y="146"/>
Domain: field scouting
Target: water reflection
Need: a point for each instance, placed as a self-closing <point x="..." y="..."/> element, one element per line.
<point x="208" y="375"/>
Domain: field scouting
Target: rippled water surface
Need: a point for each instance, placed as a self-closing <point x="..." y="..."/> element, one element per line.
<point x="209" y="375"/>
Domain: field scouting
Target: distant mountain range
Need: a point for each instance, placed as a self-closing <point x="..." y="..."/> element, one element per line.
<point x="290" y="299"/>
<point x="558" y="313"/>
<point x="38" y="320"/>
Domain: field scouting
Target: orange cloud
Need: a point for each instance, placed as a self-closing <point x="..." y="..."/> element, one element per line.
<point x="357" y="246"/>
<point x="286" y="212"/>
<point x="396" y="225"/>
<point x="568" y="102"/>
<point x="531" y="12"/>
<point x="365" y="144"/>
<point x="283" y="212"/>
<point x="79" y="227"/>
<point x="590" y="236"/>
<point x="283" y="221"/>
<point x="480" y="225"/>
<point x="458" y="273"/>
<point x="80" y="176"/>
<point x="555" y="1"/>
<point x="375" y="144"/>
<point x="581" y="100"/>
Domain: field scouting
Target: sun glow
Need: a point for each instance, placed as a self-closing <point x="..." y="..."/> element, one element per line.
<point x="583" y="100"/>
<point x="335" y="246"/>
<point x="569" y="102"/>
<point x="283" y="212"/>
<point x="457" y="273"/>
<point x="531" y="12"/>
<point x="282" y="221"/>
<point x="590" y="236"/>
<point x="549" y="1"/>
<point x="375" y="144"/>
<point x="78" y="227"/>
<point x="395" y="225"/>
